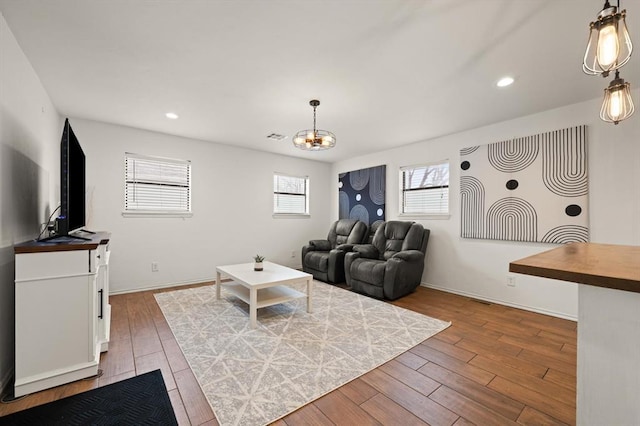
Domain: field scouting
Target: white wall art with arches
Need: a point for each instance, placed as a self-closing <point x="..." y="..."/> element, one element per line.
<point x="533" y="188"/>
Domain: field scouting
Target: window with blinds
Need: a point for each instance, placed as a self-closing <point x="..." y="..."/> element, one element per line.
<point x="425" y="189"/>
<point x="157" y="185"/>
<point x="290" y="194"/>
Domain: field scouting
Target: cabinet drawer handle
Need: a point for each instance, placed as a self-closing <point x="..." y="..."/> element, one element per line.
<point x="101" y="291"/>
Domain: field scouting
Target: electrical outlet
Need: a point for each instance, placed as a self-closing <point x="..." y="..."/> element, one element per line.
<point x="154" y="266"/>
<point x="293" y="253"/>
<point x="511" y="281"/>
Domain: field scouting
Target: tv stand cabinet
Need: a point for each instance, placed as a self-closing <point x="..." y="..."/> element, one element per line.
<point x="62" y="311"/>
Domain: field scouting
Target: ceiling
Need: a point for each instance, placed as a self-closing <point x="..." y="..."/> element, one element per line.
<point x="387" y="72"/>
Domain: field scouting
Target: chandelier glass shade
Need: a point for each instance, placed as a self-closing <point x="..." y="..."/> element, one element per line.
<point x="314" y="139"/>
<point x="609" y="46"/>
<point x="617" y="104"/>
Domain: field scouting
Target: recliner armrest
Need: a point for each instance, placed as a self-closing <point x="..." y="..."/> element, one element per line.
<point x="320" y="245"/>
<point x="409" y="255"/>
<point x="403" y="273"/>
<point x="368" y="251"/>
<point x="345" y="247"/>
<point x="349" y="258"/>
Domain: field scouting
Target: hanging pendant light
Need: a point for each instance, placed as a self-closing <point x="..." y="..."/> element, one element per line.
<point x="609" y="46"/>
<point x="617" y="104"/>
<point x="314" y="140"/>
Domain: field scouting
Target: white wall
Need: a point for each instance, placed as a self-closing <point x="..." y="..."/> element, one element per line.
<point x="30" y="130"/>
<point x="232" y="206"/>
<point x="479" y="268"/>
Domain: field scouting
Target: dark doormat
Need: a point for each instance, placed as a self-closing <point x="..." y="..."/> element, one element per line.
<point x="140" y="400"/>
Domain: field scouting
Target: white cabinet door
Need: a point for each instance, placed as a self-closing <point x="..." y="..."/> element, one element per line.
<point x="56" y="319"/>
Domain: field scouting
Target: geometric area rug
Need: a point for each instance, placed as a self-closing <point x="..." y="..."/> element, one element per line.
<point x="256" y="376"/>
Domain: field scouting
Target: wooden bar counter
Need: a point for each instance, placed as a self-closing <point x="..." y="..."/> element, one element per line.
<point x="608" y="325"/>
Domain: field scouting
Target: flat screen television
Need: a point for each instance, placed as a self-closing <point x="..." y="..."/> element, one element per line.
<point x="72" y="186"/>
<point x="72" y="182"/>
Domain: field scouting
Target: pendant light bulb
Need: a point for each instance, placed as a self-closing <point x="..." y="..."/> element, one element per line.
<point x="608" y="47"/>
<point x="615" y="105"/>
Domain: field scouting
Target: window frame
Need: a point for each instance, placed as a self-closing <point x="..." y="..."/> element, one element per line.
<point x="424" y="215"/>
<point x="158" y="212"/>
<point x="306" y="213"/>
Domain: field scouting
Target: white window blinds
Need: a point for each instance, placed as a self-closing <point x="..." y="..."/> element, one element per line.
<point x="157" y="185"/>
<point x="290" y="194"/>
<point x="425" y="189"/>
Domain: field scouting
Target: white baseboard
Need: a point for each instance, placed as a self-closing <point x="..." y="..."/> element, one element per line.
<point x="164" y="285"/>
<point x="501" y="302"/>
<point x="179" y="283"/>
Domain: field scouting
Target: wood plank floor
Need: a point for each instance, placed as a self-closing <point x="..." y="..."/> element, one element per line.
<point x="495" y="365"/>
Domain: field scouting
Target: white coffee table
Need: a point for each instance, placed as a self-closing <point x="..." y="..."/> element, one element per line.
<point x="263" y="288"/>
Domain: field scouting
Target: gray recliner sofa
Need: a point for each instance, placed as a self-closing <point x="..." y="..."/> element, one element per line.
<point x="324" y="259"/>
<point x="392" y="265"/>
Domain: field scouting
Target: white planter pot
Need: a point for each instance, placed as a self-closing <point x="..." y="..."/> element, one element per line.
<point x="257" y="266"/>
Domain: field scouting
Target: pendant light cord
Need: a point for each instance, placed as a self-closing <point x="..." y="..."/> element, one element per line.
<point x="314" y="121"/>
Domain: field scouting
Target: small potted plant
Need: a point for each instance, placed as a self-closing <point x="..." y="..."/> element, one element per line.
<point x="258" y="262"/>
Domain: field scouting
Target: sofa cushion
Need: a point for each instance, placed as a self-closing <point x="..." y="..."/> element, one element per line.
<point x="370" y="271"/>
<point x="391" y="248"/>
<point x="390" y="237"/>
<point x="340" y="230"/>
<point x="318" y="260"/>
<point x="413" y="240"/>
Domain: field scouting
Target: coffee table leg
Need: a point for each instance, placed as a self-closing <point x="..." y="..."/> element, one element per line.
<point x="309" y="288"/>
<point x="253" y="310"/>
<point x="218" y="281"/>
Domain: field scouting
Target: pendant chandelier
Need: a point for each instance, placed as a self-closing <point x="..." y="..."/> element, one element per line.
<point x="609" y="46"/>
<point x="617" y="104"/>
<point x="314" y="140"/>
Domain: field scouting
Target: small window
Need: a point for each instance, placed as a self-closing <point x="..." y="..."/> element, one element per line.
<point x="290" y="195"/>
<point x="425" y="189"/>
<point x="155" y="185"/>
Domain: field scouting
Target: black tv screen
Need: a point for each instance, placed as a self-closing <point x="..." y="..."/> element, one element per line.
<point x="72" y="183"/>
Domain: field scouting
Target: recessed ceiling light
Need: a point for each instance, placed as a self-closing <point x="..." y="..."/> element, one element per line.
<point x="171" y="115"/>
<point x="504" y="82"/>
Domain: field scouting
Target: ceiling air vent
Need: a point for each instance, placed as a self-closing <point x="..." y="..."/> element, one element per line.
<point x="276" y="136"/>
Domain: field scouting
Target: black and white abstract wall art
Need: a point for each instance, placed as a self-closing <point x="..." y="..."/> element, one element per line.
<point x="533" y="188"/>
<point x="361" y="194"/>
